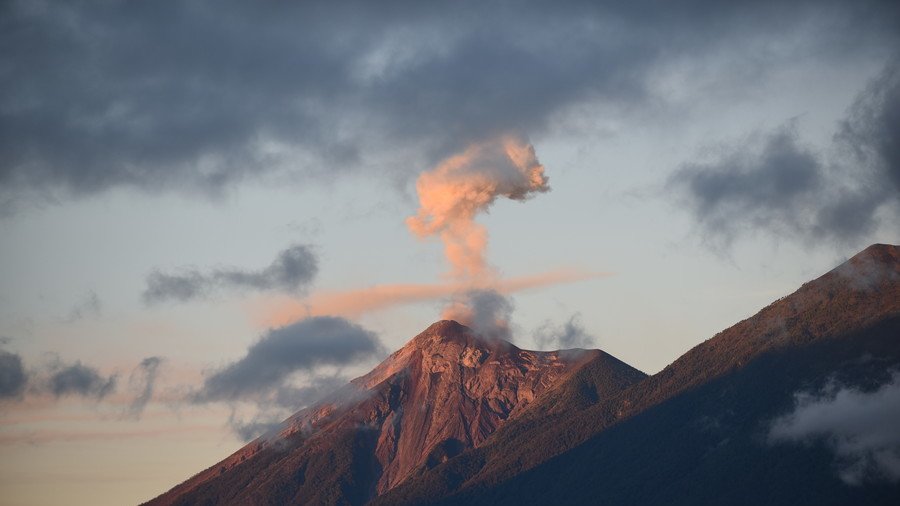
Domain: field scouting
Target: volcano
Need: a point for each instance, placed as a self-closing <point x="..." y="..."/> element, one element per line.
<point x="446" y="391"/>
<point x="697" y="431"/>
<point x="456" y="418"/>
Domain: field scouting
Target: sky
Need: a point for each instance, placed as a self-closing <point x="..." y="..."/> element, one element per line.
<point x="212" y="213"/>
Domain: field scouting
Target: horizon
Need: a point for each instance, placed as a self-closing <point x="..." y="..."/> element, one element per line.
<point x="208" y="226"/>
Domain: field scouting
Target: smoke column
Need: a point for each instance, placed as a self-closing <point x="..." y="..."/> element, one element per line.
<point x="464" y="185"/>
<point x="450" y="197"/>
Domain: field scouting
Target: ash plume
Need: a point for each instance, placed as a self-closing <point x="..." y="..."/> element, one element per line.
<point x="292" y="270"/>
<point x="451" y="196"/>
<point x="464" y="185"/>
<point x="487" y="312"/>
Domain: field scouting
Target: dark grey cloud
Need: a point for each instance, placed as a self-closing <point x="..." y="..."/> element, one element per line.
<point x="291" y="271"/>
<point x="56" y="378"/>
<point x="267" y="376"/>
<point x="195" y="96"/>
<point x="872" y="127"/>
<point x="62" y="379"/>
<point x="143" y="380"/>
<point x="79" y="379"/>
<point x="860" y="427"/>
<point x="264" y="373"/>
<point x="764" y="182"/>
<point x="13" y="377"/>
<point x="569" y="335"/>
<point x="772" y="183"/>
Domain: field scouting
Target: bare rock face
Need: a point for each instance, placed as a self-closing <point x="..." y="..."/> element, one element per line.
<point x="453" y="391"/>
<point x="444" y="392"/>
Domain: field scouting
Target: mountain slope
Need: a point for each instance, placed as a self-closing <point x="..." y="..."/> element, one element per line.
<point x="444" y="392"/>
<point x="644" y="434"/>
<point x="711" y="445"/>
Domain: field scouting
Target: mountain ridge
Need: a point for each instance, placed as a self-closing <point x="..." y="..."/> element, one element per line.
<point x="446" y="390"/>
<point x="453" y="418"/>
<point x="856" y="294"/>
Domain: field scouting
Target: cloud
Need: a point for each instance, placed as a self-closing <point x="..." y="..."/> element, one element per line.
<point x="264" y="373"/>
<point x="860" y="427"/>
<point x="60" y="379"/>
<point x="12" y="375"/>
<point x="872" y="127"/>
<point x="570" y="335"/>
<point x="487" y="312"/>
<point x="353" y="303"/>
<point x="55" y="378"/>
<point x="194" y="97"/>
<point x="291" y="271"/>
<point x="467" y="184"/>
<point x="774" y="184"/>
<point x="143" y="380"/>
<point x="285" y="401"/>
<point x="763" y="183"/>
<point x="249" y="430"/>
<point x="79" y="379"/>
<point x="282" y="371"/>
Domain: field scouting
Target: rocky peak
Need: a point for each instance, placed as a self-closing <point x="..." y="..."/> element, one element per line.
<point x="882" y="253"/>
<point x="445" y="340"/>
<point x="446" y="391"/>
<point x="450" y="390"/>
<point x="446" y="334"/>
<point x="871" y="268"/>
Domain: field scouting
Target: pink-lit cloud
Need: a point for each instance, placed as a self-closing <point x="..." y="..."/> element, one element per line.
<point x="467" y="184"/>
<point x="355" y="302"/>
